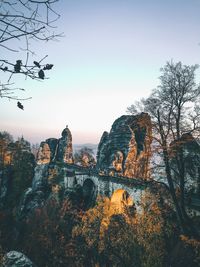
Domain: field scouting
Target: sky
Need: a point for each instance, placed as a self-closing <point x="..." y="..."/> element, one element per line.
<point x="110" y="56"/>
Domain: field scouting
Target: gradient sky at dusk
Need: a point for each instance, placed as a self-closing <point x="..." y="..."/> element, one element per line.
<point x="110" y="56"/>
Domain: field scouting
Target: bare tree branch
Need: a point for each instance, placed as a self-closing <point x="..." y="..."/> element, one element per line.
<point x="24" y="21"/>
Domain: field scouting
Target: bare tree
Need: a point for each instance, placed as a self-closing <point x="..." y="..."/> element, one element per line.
<point x="175" y="111"/>
<point x="21" y="23"/>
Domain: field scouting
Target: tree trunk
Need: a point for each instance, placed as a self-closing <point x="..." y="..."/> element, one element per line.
<point x="185" y="222"/>
<point x="169" y="176"/>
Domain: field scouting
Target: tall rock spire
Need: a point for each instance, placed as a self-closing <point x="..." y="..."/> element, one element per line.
<point x="65" y="151"/>
<point x="56" y="149"/>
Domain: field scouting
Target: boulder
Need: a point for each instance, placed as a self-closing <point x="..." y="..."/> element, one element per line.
<point x="16" y="259"/>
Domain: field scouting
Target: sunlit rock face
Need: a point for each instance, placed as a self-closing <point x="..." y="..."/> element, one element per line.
<point x="56" y="149"/>
<point x="44" y="153"/>
<point x="125" y="151"/>
<point x="120" y="201"/>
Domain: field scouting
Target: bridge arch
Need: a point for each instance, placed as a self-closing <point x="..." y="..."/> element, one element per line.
<point x="120" y="200"/>
<point x="89" y="192"/>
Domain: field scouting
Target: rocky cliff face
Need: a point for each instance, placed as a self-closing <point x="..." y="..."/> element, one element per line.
<point x="126" y="149"/>
<point x="49" y="172"/>
<point x="51" y="156"/>
<point x="56" y="149"/>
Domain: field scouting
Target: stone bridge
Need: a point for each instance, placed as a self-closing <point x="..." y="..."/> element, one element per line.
<point x="95" y="184"/>
<point x="122" y="153"/>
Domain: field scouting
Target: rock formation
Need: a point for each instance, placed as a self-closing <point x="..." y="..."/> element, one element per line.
<point x="56" y="149"/>
<point x="64" y="152"/>
<point x="50" y="171"/>
<point x="125" y="151"/>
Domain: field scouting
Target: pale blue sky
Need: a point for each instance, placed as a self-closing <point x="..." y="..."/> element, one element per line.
<point x="110" y="56"/>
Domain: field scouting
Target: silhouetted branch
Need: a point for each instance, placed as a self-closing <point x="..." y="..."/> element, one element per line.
<point x="24" y="21"/>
